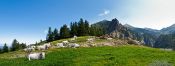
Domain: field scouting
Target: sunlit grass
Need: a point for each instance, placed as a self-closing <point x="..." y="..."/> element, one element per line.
<point x="128" y="55"/>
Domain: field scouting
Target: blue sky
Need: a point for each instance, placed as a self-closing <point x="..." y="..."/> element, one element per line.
<point x="28" y="20"/>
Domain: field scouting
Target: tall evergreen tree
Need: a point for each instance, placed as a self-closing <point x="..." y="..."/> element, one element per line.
<point x="81" y="28"/>
<point x="92" y="31"/>
<point x="22" y="46"/>
<point x="73" y="29"/>
<point x="76" y="28"/>
<point x="5" y="48"/>
<point x="86" y="27"/>
<point x="96" y="31"/>
<point x="64" y="32"/>
<point x="15" y="45"/>
<point x="1" y="50"/>
<point x="56" y="34"/>
<point x="50" y="37"/>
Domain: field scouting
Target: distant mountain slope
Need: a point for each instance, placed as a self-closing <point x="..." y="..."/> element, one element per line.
<point x="168" y="30"/>
<point x="155" y="38"/>
<point x="153" y="30"/>
<point x="1" y="47"/>
<point x="115" y="29"/>
<point x="165" y="41"/>
<point x="143" y="30"/>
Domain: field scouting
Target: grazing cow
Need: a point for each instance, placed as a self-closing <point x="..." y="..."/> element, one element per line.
<point x="48" y="45"/>
<point x="60" y="45"/>
<point x="29" y="49"/>
<point x="36" y="56"/>
<point x="44" y="47"/>
<point x="75" y="36"/>
<point x="65" y="42"/>
<point x="32" y="46"/>
<point x="74" y="45"/>
<point x="90" y="39"/>
<point x="109" y="38"/>
<point x="41" y="47"/>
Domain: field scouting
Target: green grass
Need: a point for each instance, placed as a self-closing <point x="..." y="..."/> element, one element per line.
<point x="81" y="39"/>
<point x="128" y="55"/>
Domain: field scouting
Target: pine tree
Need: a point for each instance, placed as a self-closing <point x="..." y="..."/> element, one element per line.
<point x="5" y="48"/>
<point x="1" y="50"/>
<point x="86" y="27"/>
<point x="22" y="46"/>
<point x="96" y="31"/>
<point x="73" y="29"/>
<point x="64" y="32"/>
<point x="92" y="31"/>
<point x="76" y="28"/>
<point x="50" y="37"/>
<point x="81" y="28"/>
<point x="15" y="45"/>
<point x="56" y="34"/>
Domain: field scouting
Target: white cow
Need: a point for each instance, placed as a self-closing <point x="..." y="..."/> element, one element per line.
<point x="65" y="42"/>
<point x="48" y="45"/>
<point x="44" y="47"/>
<point x="60" y="45"/>
<point x="29" y="49"/>
<point x="75" y="36"/>
<point x="41" y="47"/>
<point x="32" y="46"/>
<point x="74" y="45"/>
<point x="109" y="38"/>
<point x="37" y="56"/>
<point x="90" y="39"/>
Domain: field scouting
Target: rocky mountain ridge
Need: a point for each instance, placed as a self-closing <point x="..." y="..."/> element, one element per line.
<point x="146" y="36"/>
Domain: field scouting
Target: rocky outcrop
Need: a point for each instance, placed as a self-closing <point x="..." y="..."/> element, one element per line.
<point x="115" y="29"/>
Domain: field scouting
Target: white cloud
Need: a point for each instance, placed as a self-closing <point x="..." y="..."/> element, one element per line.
<point x="105" y="12"/>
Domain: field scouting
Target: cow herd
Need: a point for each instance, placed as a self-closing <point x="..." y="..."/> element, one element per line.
<point x="67" y="44"/>
<point x="64" y="44"/>
<point x="41" y="55"/>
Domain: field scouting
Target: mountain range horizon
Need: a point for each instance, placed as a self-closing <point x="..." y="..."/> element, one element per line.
<point x="140" y="27"/>
<point x="127" y="25"/>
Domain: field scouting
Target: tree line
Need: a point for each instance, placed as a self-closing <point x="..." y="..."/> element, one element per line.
<point x="15" y="46"/>
<point x="80" y="28"/>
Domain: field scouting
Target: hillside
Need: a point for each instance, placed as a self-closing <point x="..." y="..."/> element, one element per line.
<point x="127" y="55"/>
<point x="103" y="53"/>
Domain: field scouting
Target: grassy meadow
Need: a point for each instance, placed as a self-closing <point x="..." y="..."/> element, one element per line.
<point x="128" y="55"/>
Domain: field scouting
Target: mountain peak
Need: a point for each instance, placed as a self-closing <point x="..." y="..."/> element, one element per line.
<point x="115" y="20"/>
